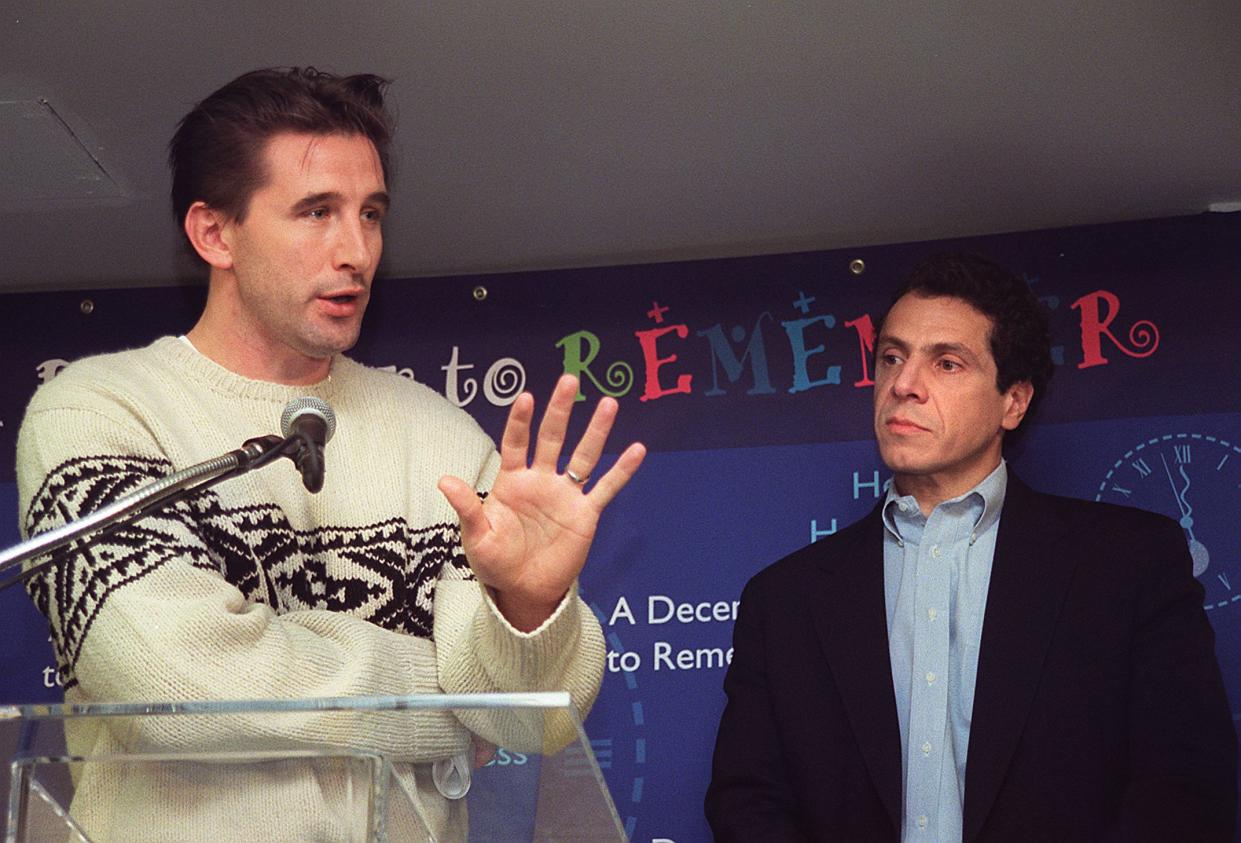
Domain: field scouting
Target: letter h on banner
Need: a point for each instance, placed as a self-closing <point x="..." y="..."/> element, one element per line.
<point x="873" y="485"/>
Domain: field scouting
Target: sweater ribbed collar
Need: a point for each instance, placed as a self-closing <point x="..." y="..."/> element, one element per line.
<point x="201" y="369"/>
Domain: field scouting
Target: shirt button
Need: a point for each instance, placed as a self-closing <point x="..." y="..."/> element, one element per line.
<point x="902" y="506"/>
<point x="932" y="613"/>
<point x="935" y="551"/>
<point x="922" y="821"/>
<point x="926" y="748"/>
<point x="930" y="677"/>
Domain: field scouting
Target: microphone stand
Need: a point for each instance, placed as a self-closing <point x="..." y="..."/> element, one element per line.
<point x="254" y="453"/>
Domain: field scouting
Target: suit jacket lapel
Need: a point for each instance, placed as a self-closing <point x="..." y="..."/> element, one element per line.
<point x="851" y="622"/>
<point x="1029" y="579"/>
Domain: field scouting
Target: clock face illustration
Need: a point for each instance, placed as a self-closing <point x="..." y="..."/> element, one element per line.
<point x="1192" y="478"/>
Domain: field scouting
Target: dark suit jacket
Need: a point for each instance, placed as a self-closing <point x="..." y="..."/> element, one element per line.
<point x="1099" y="712"/>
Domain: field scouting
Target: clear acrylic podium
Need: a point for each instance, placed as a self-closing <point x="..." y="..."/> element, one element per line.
<point x="244" y="770"/>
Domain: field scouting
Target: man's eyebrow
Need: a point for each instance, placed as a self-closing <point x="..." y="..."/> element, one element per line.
<point x="379" y="198"/>
<point x="959" y="349"/>
<point x="888" y="339"/>
<point x="314" y="199"/>
<point x="329" y="197"/>
<point x="934" y="349"/>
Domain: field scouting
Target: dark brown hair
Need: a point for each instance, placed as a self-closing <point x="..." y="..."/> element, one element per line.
<point x="216" y="152"/>
<point x="1020" y="337"/>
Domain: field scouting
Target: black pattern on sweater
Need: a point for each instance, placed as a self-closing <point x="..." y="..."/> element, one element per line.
<point x="384" y="572"/>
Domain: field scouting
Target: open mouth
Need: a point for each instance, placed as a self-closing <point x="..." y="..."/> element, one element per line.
<point x="344" y="305"/>
<point x="341" y="298"/>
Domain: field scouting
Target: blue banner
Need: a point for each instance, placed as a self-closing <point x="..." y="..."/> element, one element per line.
<point x="750" y="381"/>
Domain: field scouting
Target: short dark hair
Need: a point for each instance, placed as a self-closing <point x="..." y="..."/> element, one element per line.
<point x="216" y="152"/>
<point x="1020" y="329"/>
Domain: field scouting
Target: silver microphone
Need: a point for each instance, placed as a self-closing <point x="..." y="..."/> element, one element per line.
<point x="312" y="422"/>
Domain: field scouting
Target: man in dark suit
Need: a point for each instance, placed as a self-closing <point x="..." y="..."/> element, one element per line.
<point x="1059" y="647"/>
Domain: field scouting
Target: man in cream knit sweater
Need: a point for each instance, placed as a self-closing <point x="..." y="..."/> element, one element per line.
<point x="429" y="563"/>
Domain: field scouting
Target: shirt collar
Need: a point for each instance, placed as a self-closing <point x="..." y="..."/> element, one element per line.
<point x="903" y="519"/>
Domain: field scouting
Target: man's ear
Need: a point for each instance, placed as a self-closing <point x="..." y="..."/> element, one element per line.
<point x="205" y="228"/>
<point x="1016" y="403"/>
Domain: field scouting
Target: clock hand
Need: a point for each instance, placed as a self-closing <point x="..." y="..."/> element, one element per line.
<point x="1187" y="520"/>
<point x="1180" y="502"/>
<point x="1185" y="507"/>
<point x="1197" y="550"/>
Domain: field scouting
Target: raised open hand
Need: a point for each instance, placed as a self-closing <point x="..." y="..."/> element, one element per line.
<point x="528" y="541"/>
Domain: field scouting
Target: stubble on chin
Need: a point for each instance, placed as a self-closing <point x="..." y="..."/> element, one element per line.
<point x="322" y="348"/>
<point x="321" y="338"/>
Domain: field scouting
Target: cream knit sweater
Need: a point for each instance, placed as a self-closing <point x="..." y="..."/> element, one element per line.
<point x="257" y="589"/>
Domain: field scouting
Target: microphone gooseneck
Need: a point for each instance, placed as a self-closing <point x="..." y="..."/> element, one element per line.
<point x="307" y="424"/>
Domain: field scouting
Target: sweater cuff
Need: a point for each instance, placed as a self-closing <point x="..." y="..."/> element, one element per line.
<point x="542" y="652"/>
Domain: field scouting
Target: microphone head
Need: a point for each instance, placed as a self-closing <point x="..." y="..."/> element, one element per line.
<point x="308" y="405"/>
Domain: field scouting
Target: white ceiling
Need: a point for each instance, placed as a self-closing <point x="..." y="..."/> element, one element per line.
<point x="557" y="133"/>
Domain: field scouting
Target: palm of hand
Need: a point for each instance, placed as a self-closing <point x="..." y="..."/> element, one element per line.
<point x="541" y="530"/>
<point x="528" y="541"/>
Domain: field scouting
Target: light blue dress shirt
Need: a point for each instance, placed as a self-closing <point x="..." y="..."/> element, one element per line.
<point x="936" y="571"/>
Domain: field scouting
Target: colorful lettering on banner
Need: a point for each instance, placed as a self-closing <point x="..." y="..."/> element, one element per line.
<point x="866" y="345"/>
<point x="580" y="350"/>
<point x="755" y="352"/>
<point x="1143" y="335"/>
<point x="502" y="383"/>
<point x="650" y="354"/>
<point x="796" y="330"/>
<point x="1099" y="310"/>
